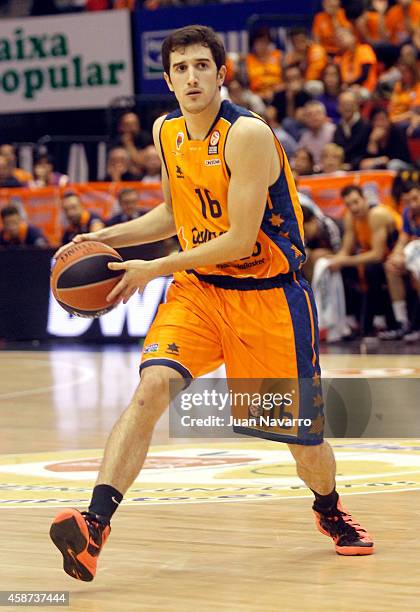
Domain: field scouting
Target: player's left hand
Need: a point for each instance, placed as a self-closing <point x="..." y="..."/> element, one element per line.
<point x="336" y="262"/>
<point x="138" y="273"/>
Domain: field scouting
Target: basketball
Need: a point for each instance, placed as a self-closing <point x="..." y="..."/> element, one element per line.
<point x="81" y="280"/>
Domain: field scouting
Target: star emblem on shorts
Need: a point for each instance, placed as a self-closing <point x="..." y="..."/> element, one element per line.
<point x="316" y="380"/>
<point x="276" y="220"/>
<point x="317" y="425"/>
<point x="173" y="349"/>
<point x="318" y="401"/>
<point x="296" y="251"/>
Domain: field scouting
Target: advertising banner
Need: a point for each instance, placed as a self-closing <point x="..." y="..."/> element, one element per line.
<point x="67" y="62"/>
<point x="230" y="20"/>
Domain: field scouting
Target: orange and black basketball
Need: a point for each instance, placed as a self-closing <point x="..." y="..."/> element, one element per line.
<point x="81" y="279"/>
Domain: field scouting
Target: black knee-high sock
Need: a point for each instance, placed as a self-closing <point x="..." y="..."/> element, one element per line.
<point x="105" y="501"/>
<point x="325" y="503"/>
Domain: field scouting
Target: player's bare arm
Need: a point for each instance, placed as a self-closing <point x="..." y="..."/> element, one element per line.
<point x="250" y="156"/>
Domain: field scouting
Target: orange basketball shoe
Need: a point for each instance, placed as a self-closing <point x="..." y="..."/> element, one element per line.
<point x="79" y="536"/>
<point x="349" y="537"/>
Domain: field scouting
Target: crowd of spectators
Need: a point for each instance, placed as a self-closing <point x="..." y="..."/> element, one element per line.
<point x="343" y="97"/>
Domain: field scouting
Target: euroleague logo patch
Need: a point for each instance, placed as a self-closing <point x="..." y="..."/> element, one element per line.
<point x="214" y="143"/>
<point x="179" y="140"/>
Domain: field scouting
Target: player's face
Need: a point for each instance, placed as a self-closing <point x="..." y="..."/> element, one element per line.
<point x="194" y="78"/>
<point x="11" y="225"/>
<point x="129" y="203"/>
<point x="414" y="200"/>
<point x="72" y="208"/>
<point x="356" y="204"/>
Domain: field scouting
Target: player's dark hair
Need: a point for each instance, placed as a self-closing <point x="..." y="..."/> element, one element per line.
<point x="9" y="211"/>
<point x="193" y="35"/>
<point x="348" y="189"/>
<point x="308" y="213"/>
<point x="297" y="31"/>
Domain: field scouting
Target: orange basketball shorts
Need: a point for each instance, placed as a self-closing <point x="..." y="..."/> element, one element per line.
<point x="264" y="329"/>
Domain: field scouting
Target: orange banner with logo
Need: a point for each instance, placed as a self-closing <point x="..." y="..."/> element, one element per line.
<point x="325" y="189"/>
<point x="42" y="204"/>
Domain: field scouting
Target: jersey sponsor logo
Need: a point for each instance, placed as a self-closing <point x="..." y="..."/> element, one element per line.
<point x="179" y="173"/>
<point x="152" y="348"/>
<point x="205" y="235"/>
<point x="212" y="162"/>
<point x="214" y="143"/>
<point x="179" y="140"/>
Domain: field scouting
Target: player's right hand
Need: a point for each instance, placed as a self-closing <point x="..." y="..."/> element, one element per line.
<point x="78" y="238"/>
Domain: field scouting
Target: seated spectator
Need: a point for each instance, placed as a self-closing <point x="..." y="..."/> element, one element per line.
<point x="8" y="151"/>
<point x="118" y="166"/>
<point x="105" y="5"/>
<point x="329" y="24"/>
<point x="319" y="130"/>
<point x="152" y="166"/>
<point x="134" y="139"/>
<point x="332" y="159"/>
<point x="80" y="220"/>
<point x="331" y="80"/>
<point x="369" y="234"/>
<point x="322" y="237"/>
<point x="302" y="163"/>
<point x="288" y="142"/>
<point x="264" y="65"/>
<point x="396" y="264"/>
<point x="305" y="53"/>
<point x="45" y="175"/>
<point x="358" y="63"/>
<point x="387" y="146"/>
<point x="128" y="200"/>
<point x="242" y="96"/>
<point x="17" y="232"/>
<point x="372" y="23"/>
<point x="290" y="102"/>
<point x="404" y="96"/>
<point x="403" y="22"/>
<point x="352" y="132"/>
<point x="6" y="177"/>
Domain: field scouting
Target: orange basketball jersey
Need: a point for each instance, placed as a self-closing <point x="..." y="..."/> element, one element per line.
<point x="199" y="183"/>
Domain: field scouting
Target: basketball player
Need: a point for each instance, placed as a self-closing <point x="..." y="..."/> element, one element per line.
<point x="238" y="296"/>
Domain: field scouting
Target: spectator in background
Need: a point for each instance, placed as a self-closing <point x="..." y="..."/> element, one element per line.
<point x="403" y="22"/>
<point x="264" y="65"/>
<point x="332" y="159"/>
<point x="371" y="25"/>
<point x="80" y="220"/>
<point x="8" y="151"/>
<point x="302" y="163"/>
<point x="405" y="96"/>
<point x="128" y="200"/>
<point x="289" y="103"/>
<point x="319" y="130"/>
<point x="17" y="232"/>
<point x="305" y="53"/>
<point x="45" y="175"/>
<point x="331" y="80"/>
<point x="288" y="142"/>
<point x="133" y="139"/>
<point x="6" y="177"/>
<point x="152" y="166"/>
<point x="369" y="234"/>
<point x="387" y="145"/>
<point x="118" y="166"/>
<point x="352" y="132"/>
<point x="358" y="64"/>
<point x="329" y="24"/>
<point x="106" y="5"/>
<point x="242" y="96"/>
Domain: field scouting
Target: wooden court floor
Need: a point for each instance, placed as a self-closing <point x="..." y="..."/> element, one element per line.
<point x="214" y="524"/>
